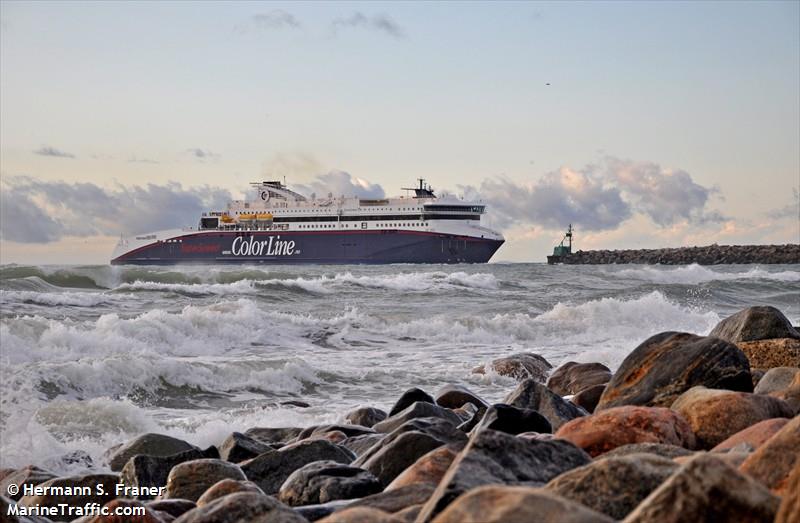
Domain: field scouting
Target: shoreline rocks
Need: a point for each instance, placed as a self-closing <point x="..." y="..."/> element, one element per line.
<point x="706" y="255"/>
<point x="454" y="457"/>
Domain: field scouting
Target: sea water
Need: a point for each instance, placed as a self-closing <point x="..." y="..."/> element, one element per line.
<point x="93" y="355"/>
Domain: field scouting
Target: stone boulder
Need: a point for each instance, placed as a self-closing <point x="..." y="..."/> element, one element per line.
<point x="400" y="449"/>
<point x="144" y="472"/>
<point x="493" y="457"/>
<point x="768" y="354"/>
<point x="410" y="397"/>
<point x="190" y="479"/>
<point x="270" y="469"/>
<point x="361" y="515"/>
<point x="753" y="436"/>
<point x="587" y="399"/>
<point x="318" y="431"/>
<point x="614" y="485"/>
<point x="777" y="379"/>
<point x="608" y="429"/>
<point x="454" y="396"/>
<point x="239" y="447"/>
<point x="789" y="511"/>
<point x="173" y="507"/>
<point x="101" y="487"/>
<point x="148" y="445"/>
<point x="706" y="489"/>
<point x="358" y="445"/>
<point x="323" y="481"/>
<point x="226" y="487"/>
<point x="659" y="449"/>
<point x="428" y="469"/>
<point x="755" y="323"/>
<point x="242" y="507"/>
<point x="715" y="415"/>
<point x="417" y="409"/>
<point x="666" y="365"/>
<point x="531" y="394"/>
<point x="26" y="476"/>
<point x="572" y="377"/>
<point x="519" y="366"/>
<point x="772" y="462"/>
<point x="513" y="420"/>
<point x="395" y="500"/>
<point x="365" y="416"/>
<point x="504" y="504"/>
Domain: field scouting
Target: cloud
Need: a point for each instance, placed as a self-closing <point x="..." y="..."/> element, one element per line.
<point x="202" y="154"/>
<point x="275" y="19"/>
<point x="788" y="211"/>
<point x="380" y="23"/>
<point x="46" y="150"/>
<point x="135" y="159"/>
<point x="598" y="197"/>
<point x="36" y="211"/>
<point x="340" y="183"/>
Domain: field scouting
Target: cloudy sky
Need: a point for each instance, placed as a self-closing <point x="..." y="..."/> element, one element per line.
<point x="643" y="124"/>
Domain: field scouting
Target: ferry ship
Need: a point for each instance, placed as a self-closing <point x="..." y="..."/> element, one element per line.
<point x="279" y="226"/>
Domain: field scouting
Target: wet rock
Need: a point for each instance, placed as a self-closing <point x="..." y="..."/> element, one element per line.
<point x="454" y="396"/>
<point x="270" y="435"/>
<point x="320" y="430"/>
<point x="519" y="366"/>
<point x="789" y="511"/>
<point x="659" y="449"/>
<point x="706" y="489"/>
<point x="587" y="399"/>
<point x="324" y="481"/>
<point x="73" y="494"/>
<point x="410" y="397"/>
<point x="399" y="453"/>
<point x="614" y="485"/>
<point x="531" y="394"/>
<point x="296" y="403"/>
<point x="715" y="415"/>
<point x="150" y="516"/>
<point x="755" y="323"/>
<point x="173" y="507"/>
<point x="608" y="429"/>
<point x="270" y="470"/>
<point x="666" y="365"/>
<point x="238" y="447"/>
<point x="776" y="380"/>
<point x="772" y="462"/>
<point x="504" y="504"/>
<point x="358" y="445"/>
<point x="242" y="507"/>
<point x="361" y="515"/>
<point x="144" y="472"/>
<point x="572" y="378"/>
<point x="473" y="420"/>
<point x="365" y="416"/>
<point x="493" y="457"/>
<point x="225" y="487"/>
<point x="397" y="499"/>
<point x="30" y="475"/>
<point x="753" y="436"/>
<point x="513" y="420"/>
<point x="418" y="409"/>
<point x="317" y="512"/>
<point x="428" y="469"/>
<point x="190" y="479"/>
<point x="768" y="354"/>
<point x="148" y="445"/>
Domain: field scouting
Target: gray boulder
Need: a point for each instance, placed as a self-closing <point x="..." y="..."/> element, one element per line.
<point x="409" y="397"/>
<point x="242" y="507"/>
<point x="454" y="396"/>
<point x="365" y="416"/>
<point x="530" y="394"/>
<point x="190" y="479"/>
<point x="418" y="409"/>
<point x="323" y="481"/>
<point x="239" y="447"/>
<point x="755" y="323"/>
<point x="142" y="472"/>
<point x="150" y="444"/>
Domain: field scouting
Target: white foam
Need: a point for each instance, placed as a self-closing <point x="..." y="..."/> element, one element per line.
<point x="694" y="274"/>
<point x="74" y="299"/>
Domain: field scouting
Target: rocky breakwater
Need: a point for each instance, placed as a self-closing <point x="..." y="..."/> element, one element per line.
<point x="707" y="255"/>
<point x="684" y="430"/>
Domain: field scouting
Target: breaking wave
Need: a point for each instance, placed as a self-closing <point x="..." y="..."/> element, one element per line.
<point x="695" y="274"/>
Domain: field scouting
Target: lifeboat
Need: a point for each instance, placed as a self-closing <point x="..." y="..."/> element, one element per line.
<point x="247" y="217"/>
<point x="264" y="217"/>
<point x="226" y="218"/>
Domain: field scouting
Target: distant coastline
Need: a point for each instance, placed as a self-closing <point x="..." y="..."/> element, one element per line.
<point x="706" y="255"/>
